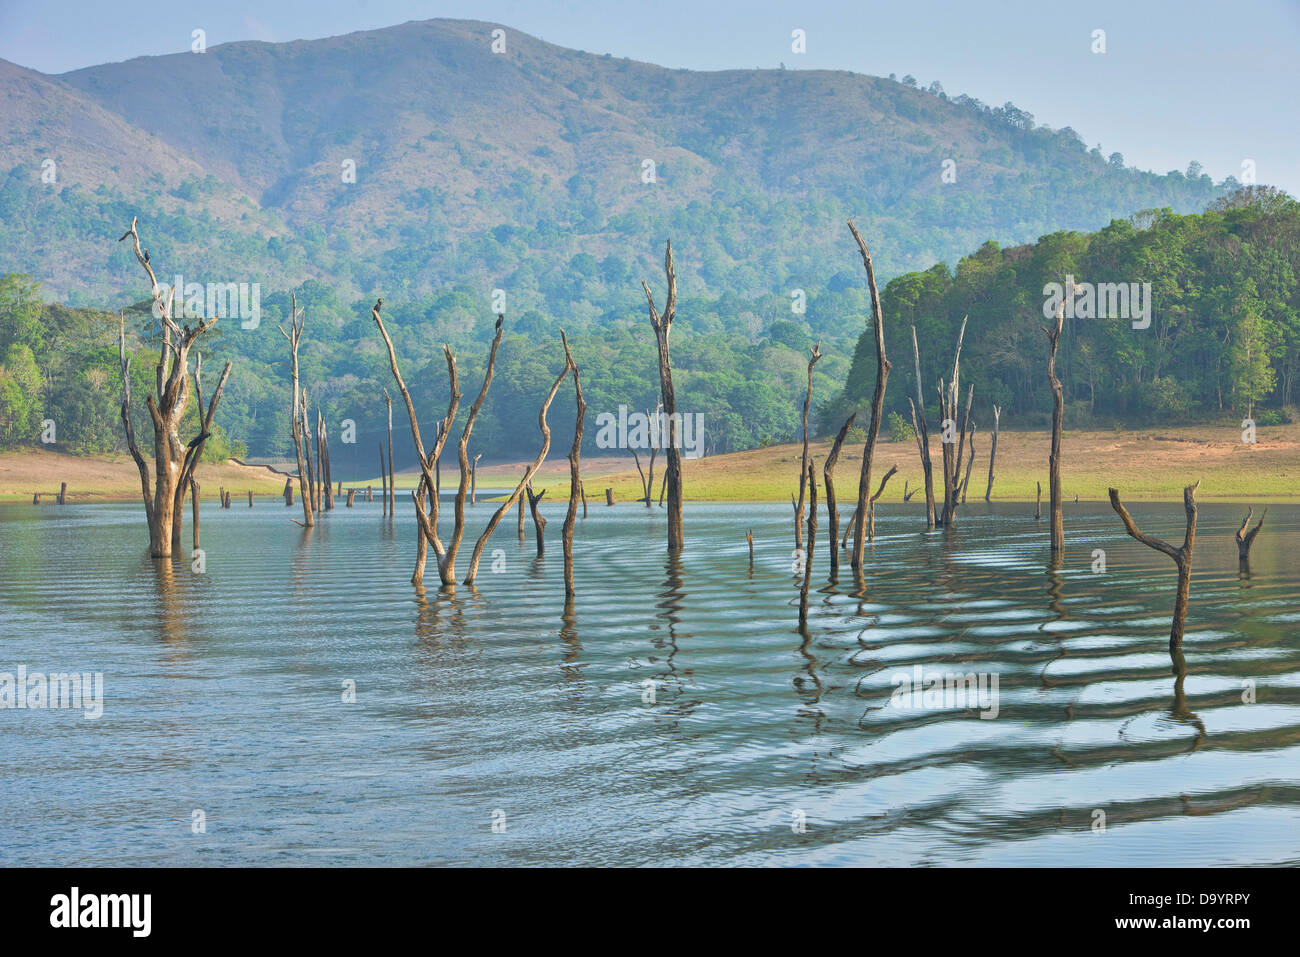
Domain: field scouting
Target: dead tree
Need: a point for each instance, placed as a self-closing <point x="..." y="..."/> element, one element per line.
<point x="1038" y="504"/>
<point x="993" y="449"/>
<point x="1058" y="414"/>
<point x="383" y="478"/>
<point x="883" y="366"/>
<point x="811" y="485"/>
<point x="662" y="325"/>
<point x="803" y="461"/>
<point x="970" y="460"/>
<point x="327" y="476"/>
<point x="392" y="475"/>
<point x="871" y="506"/>
<point x="310" y="491"/>
<point x="473" y="480"/>
<point x="428" y="520"/>
<point x="828" y="477"/>
<point x="749" y="537"/>
<point x="907" y="495"/>
<point x="953" y="442"/>
<point x="656" y="440"/>
<point x="532" y="470"/>
<point x="575" y="472"/>
<point x="521" y="513"/>
<point x="288" y="492"/>
<point x="539" y="520"/>
<point x="1182" y="556"/>
<point x="922" y="430"/>
<point x="174" y="463"/>
<point x="1245" y="538"/>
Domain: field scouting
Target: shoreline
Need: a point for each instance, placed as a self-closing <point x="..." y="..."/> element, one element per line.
<point x="1143" y="465"/>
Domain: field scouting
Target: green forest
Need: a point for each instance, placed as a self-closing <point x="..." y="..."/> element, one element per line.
<point x="1224" y="340"/>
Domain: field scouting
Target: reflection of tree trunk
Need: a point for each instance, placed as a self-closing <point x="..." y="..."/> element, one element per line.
<point x="877" y="405"/>
<point x="803" y="462"/>
<point x="662" y="324"/>
<point x="831" y="507"/>
<point x="1182" y="556"/>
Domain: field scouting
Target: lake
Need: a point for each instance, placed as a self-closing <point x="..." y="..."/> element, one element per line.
<point x="678" y="716"/>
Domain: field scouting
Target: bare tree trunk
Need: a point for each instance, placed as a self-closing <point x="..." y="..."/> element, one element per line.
<point x="532" y="470"/>
<point x="1038" y="504"/>
<point x="174" y="463"/>
<point x="656" y="436"/>
<point x="575" y="473"/>
<point x="392" y="475"/>
<point x="383" y="478"/>
<point x="309" y="493"/>
<point x="662" y="324"/>
<point x="1058" y="412"/>
<point x="970" y="460"/>
<point x="803" y="461"/>
<point x="993" y="450"/>
<point x="832" y="508"/>
<point x="810" y="481"/>
<point x="539" y="520"/>
<point x="521" y="515"/>
<point x="473" y="480"/>
<point x="288" y="492"/>
<point x="871" y="506"/>
<point x="922" y="429"/>
<point x="1246" y="539"/>
<point x="952" y="457"/>
<point x="883" y="366"/>
<point x="1182" y="556"/>
<point x="582" y="486"/>
<point x="427" y="520"/>
<point x="327" y="476"/>
<point x="609" y="496"/>
<point x="194" y="505"/>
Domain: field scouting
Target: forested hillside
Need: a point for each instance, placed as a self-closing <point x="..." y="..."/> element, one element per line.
<point x="1223" y="338"/>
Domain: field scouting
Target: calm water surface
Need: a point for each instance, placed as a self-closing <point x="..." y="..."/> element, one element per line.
<point x="223" y="692"/>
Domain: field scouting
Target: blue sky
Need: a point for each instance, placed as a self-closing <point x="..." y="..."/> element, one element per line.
<point x="1180" y="80"/>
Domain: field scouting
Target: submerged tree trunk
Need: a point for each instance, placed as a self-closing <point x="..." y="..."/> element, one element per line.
<point x="871" y="506"/>
<point x="922" y="430"/>
<point x="1058" y="412"/>
<point x="1182" y="556"/>
<point x="877" y="405"/>
<point x="532" y="470"/>
<point x="662" y="325"/>
<point x="811" y="481"/>
<point x="993" y="450"/>
<point x="174" y="463"/>
<point x="575" y="476"/>
<point x="832" y="508"/>
<point x="539" y="520"/>
<point x="803" y="461"/>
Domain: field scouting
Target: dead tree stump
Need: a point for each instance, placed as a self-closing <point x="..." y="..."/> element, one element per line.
<point x="1182" y="556"/>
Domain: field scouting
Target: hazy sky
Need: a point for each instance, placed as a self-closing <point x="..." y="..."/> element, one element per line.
<point x="1181" y="80"/>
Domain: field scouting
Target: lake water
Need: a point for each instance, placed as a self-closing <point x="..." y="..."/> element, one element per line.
<point x="223" y="693"/>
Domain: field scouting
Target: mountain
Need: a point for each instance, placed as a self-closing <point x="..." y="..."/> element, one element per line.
<point x="498" y="169"/>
